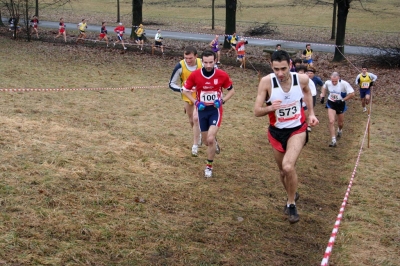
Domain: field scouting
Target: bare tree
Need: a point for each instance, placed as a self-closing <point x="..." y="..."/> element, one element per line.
<point x="118" y="13"/>
<point x="230" y="19"/>
<point x="343" y="11"/>
<point x="213" y="14"/>
<point x="333" y="34"/>
<point x="137" y="15"/>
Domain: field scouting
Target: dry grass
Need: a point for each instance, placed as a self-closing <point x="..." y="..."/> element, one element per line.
<point x="106" y="177"/>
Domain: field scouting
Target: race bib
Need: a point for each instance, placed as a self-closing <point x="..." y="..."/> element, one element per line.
<point x="334" y="97"/>
<point x="208" y="97"/>
<point x="288" y="112"/>
<point x="365" y="85"/>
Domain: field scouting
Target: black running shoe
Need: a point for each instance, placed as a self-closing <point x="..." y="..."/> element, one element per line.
<point x="296" y="198"/>
<point x="293" y="215"/>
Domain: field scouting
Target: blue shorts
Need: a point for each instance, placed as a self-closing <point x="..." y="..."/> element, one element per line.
<point x="210" y="116"/>
<point x="364" y="92"/>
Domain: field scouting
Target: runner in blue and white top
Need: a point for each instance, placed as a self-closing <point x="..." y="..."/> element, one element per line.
<point x="339" y="92"/>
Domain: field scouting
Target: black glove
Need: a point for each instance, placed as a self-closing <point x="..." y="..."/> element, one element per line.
<point x="322" y="100"/>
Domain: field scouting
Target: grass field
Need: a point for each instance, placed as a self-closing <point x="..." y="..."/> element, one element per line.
<point x="106" y="177"/>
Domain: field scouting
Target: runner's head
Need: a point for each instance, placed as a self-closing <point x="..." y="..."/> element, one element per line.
<point x="278" y="47"/>
<point x="335" y="77"/>
<point x="209" y="59"/>
<point x="308" y="46"/>
<point x="190" y="55"/>
<point x="311" y="71"/>
<point x="364" y="70"/>
<point x="280" y="62"/>
<point x="301" y="69"/>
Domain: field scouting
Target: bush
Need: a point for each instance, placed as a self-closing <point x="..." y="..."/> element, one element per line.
<point x="262" y="29"/>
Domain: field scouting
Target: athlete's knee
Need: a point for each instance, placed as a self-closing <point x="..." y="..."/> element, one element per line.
<point x="287" y="168"/>
<point x="210" y="140"/>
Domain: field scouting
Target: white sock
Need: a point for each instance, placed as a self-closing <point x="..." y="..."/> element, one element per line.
<point x="334" y="139"/>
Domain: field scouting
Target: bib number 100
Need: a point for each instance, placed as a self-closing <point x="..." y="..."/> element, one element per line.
<point x="208" y="97"/>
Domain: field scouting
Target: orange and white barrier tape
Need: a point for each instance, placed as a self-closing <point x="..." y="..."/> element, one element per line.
<point x="79" y="89"/>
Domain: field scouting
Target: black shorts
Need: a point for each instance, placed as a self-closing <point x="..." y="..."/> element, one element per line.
<point x="339" y="107"/>
<point x="279" y="137"/>
<point x="158" y="43"/>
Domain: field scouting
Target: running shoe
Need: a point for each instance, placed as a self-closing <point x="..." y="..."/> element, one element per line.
<point x="125" y="48"/>
<point x="217" y="147"/>
<point x="365" y="109"/>
<point x="296" y="198"/>
<point x="293" y="215"/>
<point x="308" y="129"/>
<point x="339" y="134"/>
<point x="194" y="151"/>
<point x="332" y="144"/>
<point x="208" y="172"/>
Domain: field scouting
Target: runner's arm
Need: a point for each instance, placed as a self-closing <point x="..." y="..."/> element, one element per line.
<point x="175" y="80"/>
<point x="230" y="93"/>
<point x="264" y="88"/>
<point x="304" y="81"/>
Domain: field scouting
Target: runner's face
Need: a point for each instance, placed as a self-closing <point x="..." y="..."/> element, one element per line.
<point x="209" y="63"/>
<point x="190" y="59"/>
<point x="335" y="80"/>
<point x="364" y="71"/>
<point x="281" y="70"/>
<point x="310" y="74"/>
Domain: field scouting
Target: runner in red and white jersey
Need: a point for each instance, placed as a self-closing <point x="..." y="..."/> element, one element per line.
<point x="208" y="83"/>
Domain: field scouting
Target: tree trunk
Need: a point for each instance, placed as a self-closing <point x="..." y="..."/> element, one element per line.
<point x="137" y="16"/>
<point x="37" y="8"/>
<point x="27" y="24"/>
<point x="118" y="14"/>
<point x="343" y="10"/>
<point x="333" y="35"/>
<point x="230" y="24"/>
<point x="213" y="15"/>
<point x="1" y="20"/>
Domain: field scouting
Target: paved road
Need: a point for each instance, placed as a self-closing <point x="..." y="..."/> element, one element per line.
<point x="288" y="45"/>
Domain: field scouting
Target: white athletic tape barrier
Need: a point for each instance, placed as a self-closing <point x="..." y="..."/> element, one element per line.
<point x="80" y="89"/>
<point x="331" y="242"/>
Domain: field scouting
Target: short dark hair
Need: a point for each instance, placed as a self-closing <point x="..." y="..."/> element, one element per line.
<point x="208" y="53"/>
<point x="280" y="56"/>
<point x="278" y="45"/>
<point x="297" y="60"/>
<point x="364" y="66"/>
<point x="301" y="67"/>
<point x="190" y="50"/>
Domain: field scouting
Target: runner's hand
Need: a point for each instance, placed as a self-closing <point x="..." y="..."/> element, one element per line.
<point x="217" y="103"/>
<point x="200" y="105"/>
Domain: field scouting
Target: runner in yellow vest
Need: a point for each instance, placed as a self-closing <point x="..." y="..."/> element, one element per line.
<point x="366" y="82"/>
<point x="82" y="28"/>
<point x="179" y="75"/>
<point x="307" y="55"/>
